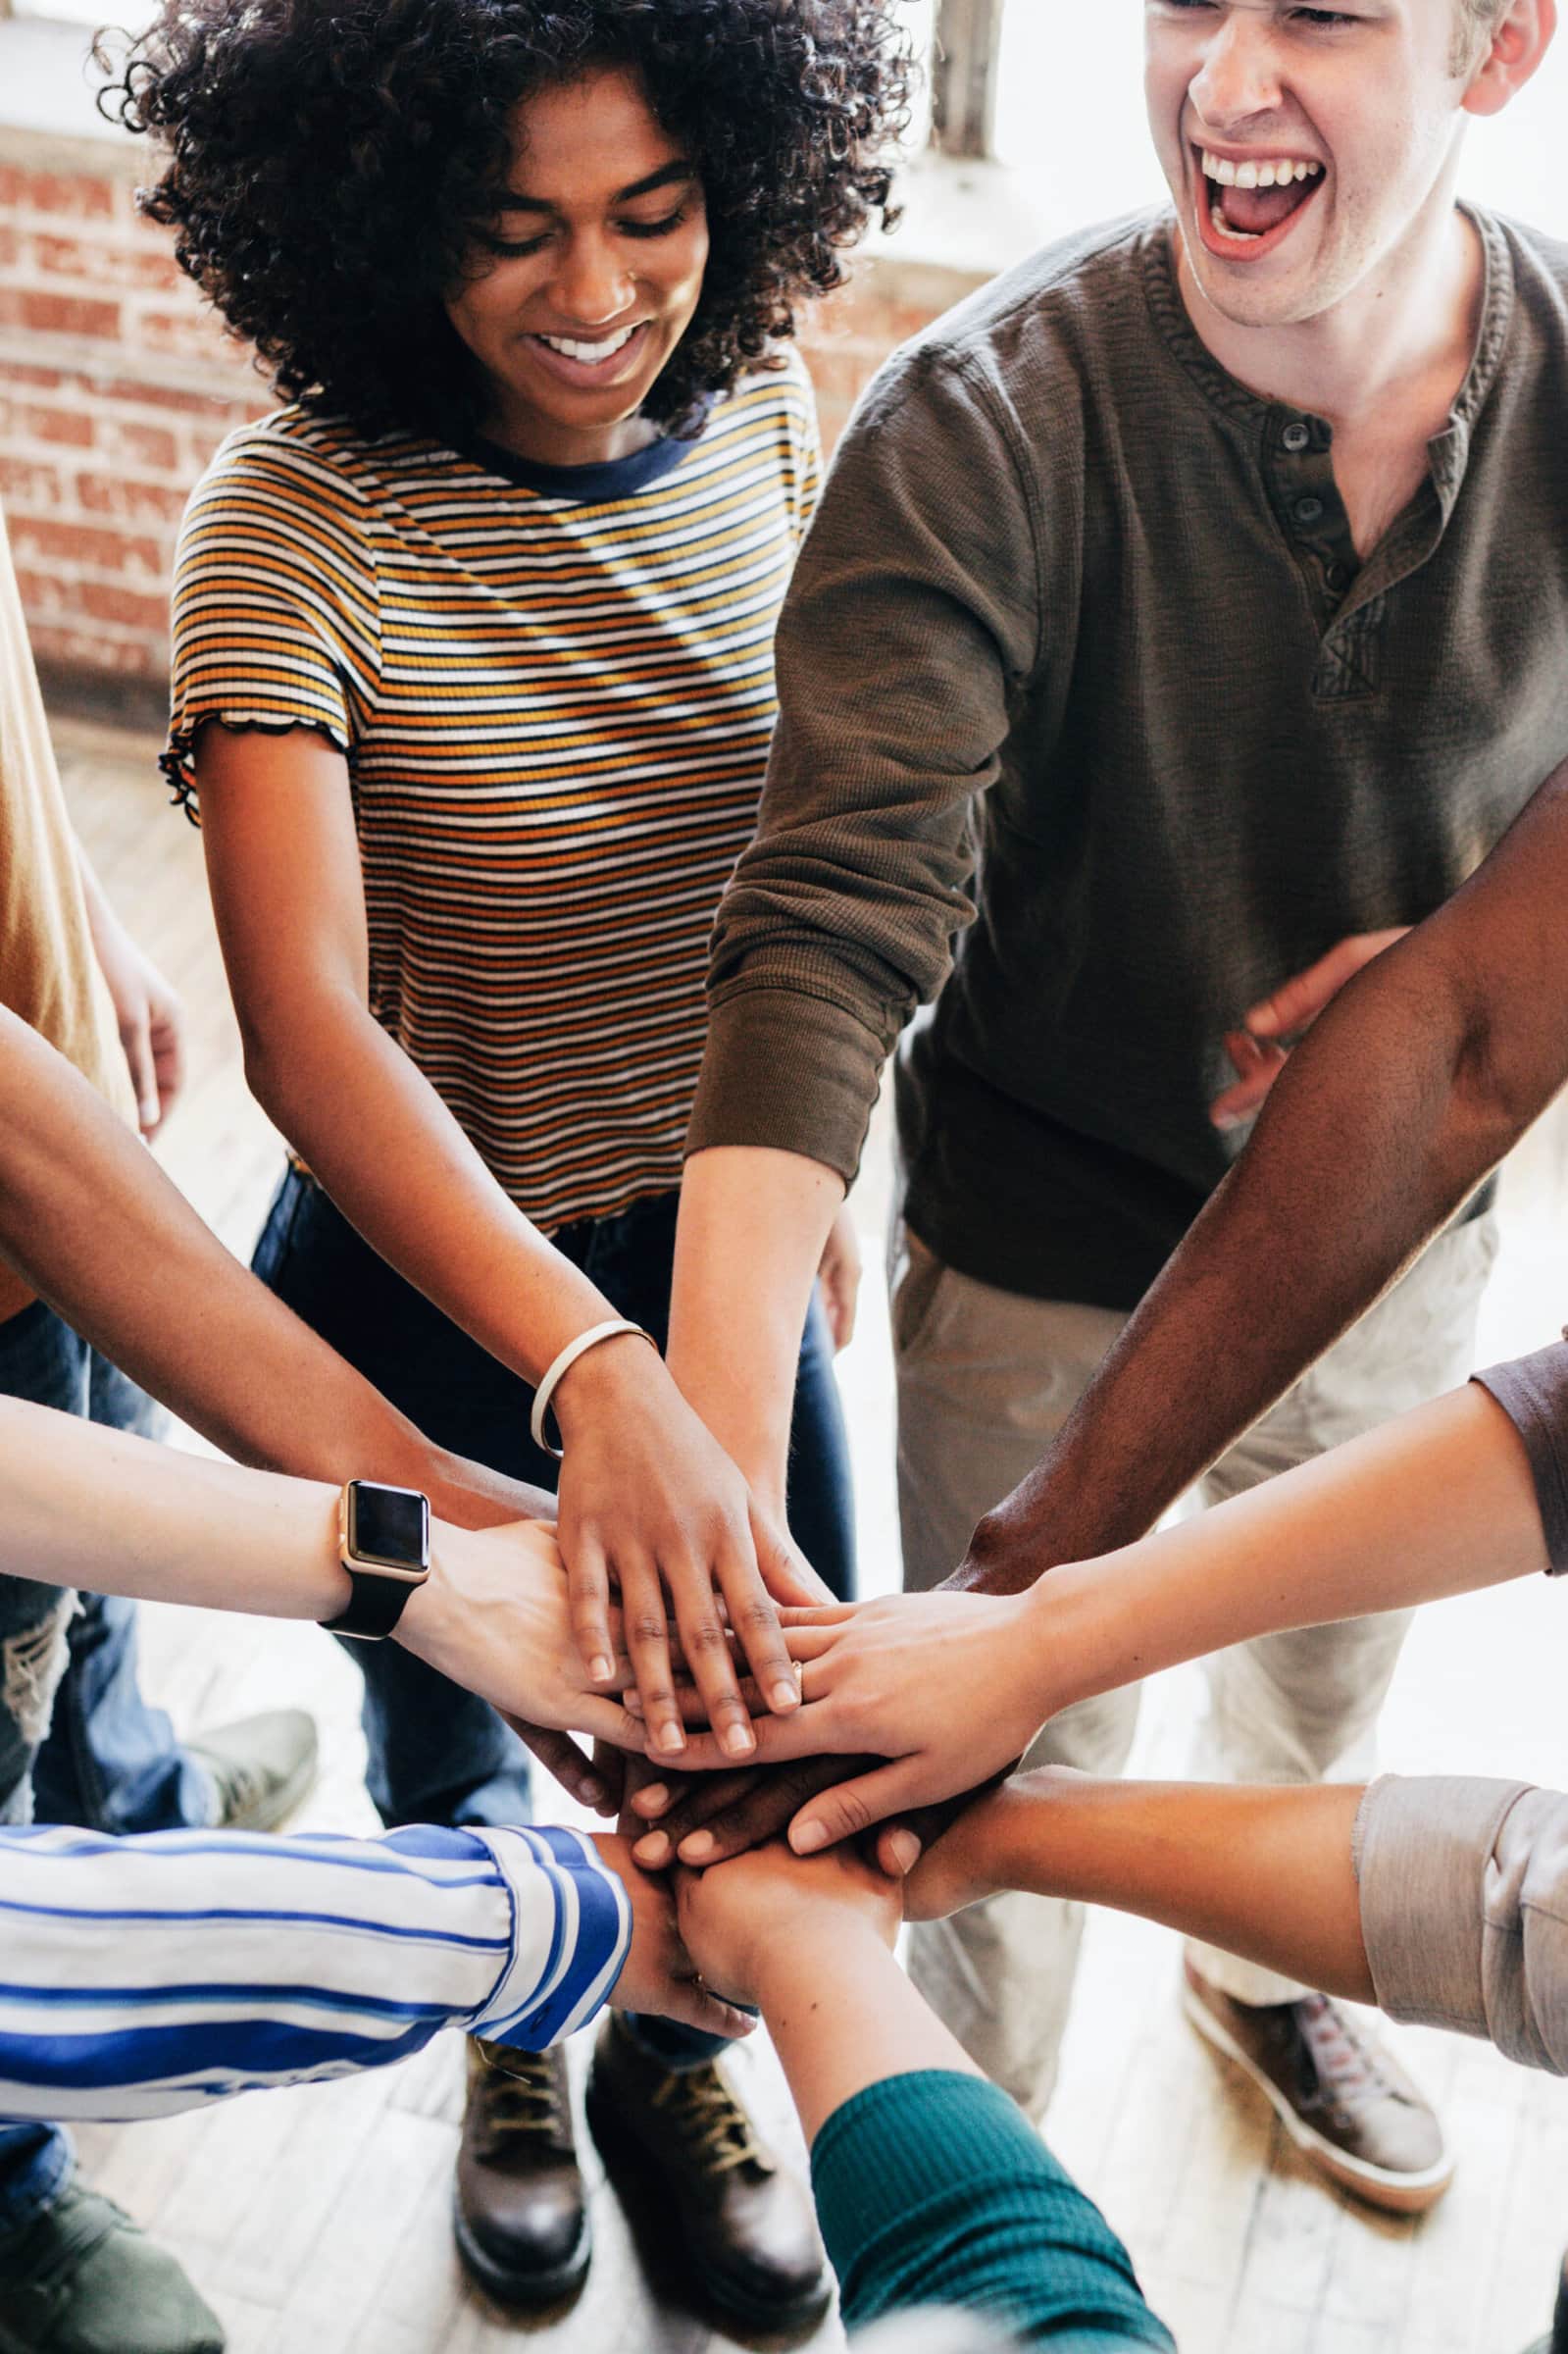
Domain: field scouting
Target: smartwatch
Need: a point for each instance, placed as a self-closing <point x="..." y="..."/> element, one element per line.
<point x="383" y="1537"/>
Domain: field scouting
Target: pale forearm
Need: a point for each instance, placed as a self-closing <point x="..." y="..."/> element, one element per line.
<point x="1440" y="1502"/>
<point x="843" y="2015"/>
<point x="753" y="1225"/>
<point x="87" y="1505"/>
<point x="1267" y="1873"/>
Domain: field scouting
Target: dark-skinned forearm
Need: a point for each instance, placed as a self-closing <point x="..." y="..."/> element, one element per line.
<point x="1405" y="1094"/>
<point x="1375" y="1133"/>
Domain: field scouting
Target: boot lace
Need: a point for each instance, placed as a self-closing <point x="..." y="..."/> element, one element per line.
<point x="710" y="2121"/>
<point x="521" y="2094"/>
<point x="1349" y="2066"/>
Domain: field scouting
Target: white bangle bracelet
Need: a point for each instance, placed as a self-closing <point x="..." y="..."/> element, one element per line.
<point x="550" y="1381"/>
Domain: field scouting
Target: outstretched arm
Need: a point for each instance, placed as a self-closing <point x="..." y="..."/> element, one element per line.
<point x="932" y="2188"/>
<point x="1440" y="1502"/>
<point x="85" y="1505"/>
<point x="96" y="1226"/>
<point x="181" y="1967"/>
<point x="1406" y="1093"/>
<point x="1444" y="1899"/>
<point x="1263" y="1872"/>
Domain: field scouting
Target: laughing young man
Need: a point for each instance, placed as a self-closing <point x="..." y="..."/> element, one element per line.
<point x="1187" y="604"/>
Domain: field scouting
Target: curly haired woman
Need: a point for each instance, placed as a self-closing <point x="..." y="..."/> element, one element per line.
<point x="473" y="679"/>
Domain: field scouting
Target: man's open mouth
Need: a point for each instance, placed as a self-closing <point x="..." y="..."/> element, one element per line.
<point x="1248" y="201"/>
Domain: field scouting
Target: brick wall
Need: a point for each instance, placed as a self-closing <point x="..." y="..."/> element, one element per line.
<point x="116" y="386"/>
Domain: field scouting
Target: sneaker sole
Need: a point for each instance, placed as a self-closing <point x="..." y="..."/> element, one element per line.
<point x="1397" y="2194"/>
<point x="620" y="2148"/>
<point x="523" y="2288"/>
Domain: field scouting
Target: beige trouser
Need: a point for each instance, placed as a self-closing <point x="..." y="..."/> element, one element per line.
<point x="985" y="1379"/>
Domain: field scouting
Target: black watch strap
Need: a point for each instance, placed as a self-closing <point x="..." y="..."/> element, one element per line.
<point x="374" y="1606"/>
<point x="384" y="1536"/>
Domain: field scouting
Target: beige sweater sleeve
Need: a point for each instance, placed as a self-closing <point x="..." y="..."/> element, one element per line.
<point x="1464" y="1909"/>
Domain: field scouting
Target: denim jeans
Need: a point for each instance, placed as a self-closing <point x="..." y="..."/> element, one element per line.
<point x="435" y="1753"/>
<point x="77" y="1742"/>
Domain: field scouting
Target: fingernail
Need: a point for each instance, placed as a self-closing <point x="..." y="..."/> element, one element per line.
<point x="671" y="1739"/>
<point x="808" y="1839"/>
<point x="654" y="1849"/>
<point x="699" y="1847"/>
<point x="653" y="1798"/>
<point x="739" y="1741"/>
<point x="786" y="1696"/>
<point x="602" y="1668"/>
<point x="904" y="1849"/>
<point x="593" y="1793"/>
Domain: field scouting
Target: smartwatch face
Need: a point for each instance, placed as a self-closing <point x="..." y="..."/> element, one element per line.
<point x="388" y="1525"/>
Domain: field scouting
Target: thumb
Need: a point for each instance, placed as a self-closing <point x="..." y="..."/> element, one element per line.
<point x="1299" y="1001"/>
<point x="899" y="1851"/>
<point x="137" y="1040"/>
<point x="693" y="2005"/>
<point x="786" y="1571"/>
<point x="850" y="1808"/>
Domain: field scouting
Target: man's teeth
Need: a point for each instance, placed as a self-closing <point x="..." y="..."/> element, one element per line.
<point x="1274" y="171"/>
<point x="590" y="353"/>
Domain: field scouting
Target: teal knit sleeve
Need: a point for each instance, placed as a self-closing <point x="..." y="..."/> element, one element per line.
<point x="933" y="2191"/>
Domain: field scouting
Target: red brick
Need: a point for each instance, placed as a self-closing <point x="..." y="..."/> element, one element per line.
<point x="36" y="380"/>
<point x="30" y="421"/>
<point x="96" y="545"/>
<point x="56" y="314"/>
<point x="25" y="485"/>
<point x="136" y="502"/>
<point x="177" y="396"/>
<point x="187" y="334"/>
<point x="100" y="649"/>
<point x="78" y="194"/>
<point x="101" y="601"/>
<point x="105" y="264"/>
<point x="127" y="442"/>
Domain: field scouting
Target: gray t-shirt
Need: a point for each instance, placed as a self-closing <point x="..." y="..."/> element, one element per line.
<point x="1080" y="667"/>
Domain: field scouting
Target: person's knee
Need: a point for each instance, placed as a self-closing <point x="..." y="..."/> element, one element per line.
<point x="34" y="1654"/>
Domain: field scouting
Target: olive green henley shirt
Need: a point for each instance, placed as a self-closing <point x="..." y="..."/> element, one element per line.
<point x="1094" y="730"/>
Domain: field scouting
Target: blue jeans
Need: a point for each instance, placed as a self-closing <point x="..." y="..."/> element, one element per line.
<point x="77" y="1742"/>
<point x="436" y="1754"/>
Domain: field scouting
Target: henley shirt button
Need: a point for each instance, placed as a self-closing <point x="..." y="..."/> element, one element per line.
<point x="1338" y="576"/>
<point x="1296" y="438"/>
<point x="1309" y="510"/>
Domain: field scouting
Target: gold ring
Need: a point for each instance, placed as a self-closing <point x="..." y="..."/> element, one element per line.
<point x="800" y="1677"/>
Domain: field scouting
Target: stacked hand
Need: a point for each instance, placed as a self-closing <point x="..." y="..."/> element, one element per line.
<point x="908" y="1702"/>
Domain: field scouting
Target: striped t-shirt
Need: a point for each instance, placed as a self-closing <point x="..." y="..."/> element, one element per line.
<point x="555" y="688"/>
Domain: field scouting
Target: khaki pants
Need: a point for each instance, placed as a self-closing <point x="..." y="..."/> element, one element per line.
<point x="985" y="1379"/>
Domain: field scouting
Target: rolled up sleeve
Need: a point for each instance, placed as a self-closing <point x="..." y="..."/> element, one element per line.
<point x="1532" y="1392"/>
<point x="1464" y="1909"/>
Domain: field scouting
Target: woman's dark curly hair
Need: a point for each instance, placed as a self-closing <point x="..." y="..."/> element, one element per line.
<point x="333" y="162"/>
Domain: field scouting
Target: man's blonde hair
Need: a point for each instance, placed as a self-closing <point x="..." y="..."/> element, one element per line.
<point x="1475" y="21"/>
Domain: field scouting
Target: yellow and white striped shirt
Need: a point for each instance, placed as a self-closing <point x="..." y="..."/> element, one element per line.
<point x="554" y="688"/>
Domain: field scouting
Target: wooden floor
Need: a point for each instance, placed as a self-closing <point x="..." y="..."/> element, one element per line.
<point x="317" y="2220"/>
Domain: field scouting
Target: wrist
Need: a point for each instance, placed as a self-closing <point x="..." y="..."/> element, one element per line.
<point x="821" y="1950"/>
<point x="431" y="1614"/>
<point x="613" y="1376"/>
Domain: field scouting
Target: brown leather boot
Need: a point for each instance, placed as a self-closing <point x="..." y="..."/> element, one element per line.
<point x="1346" y="2103"/>
<point x="747" y="2229"/>
<point x="521" y="2216"/>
